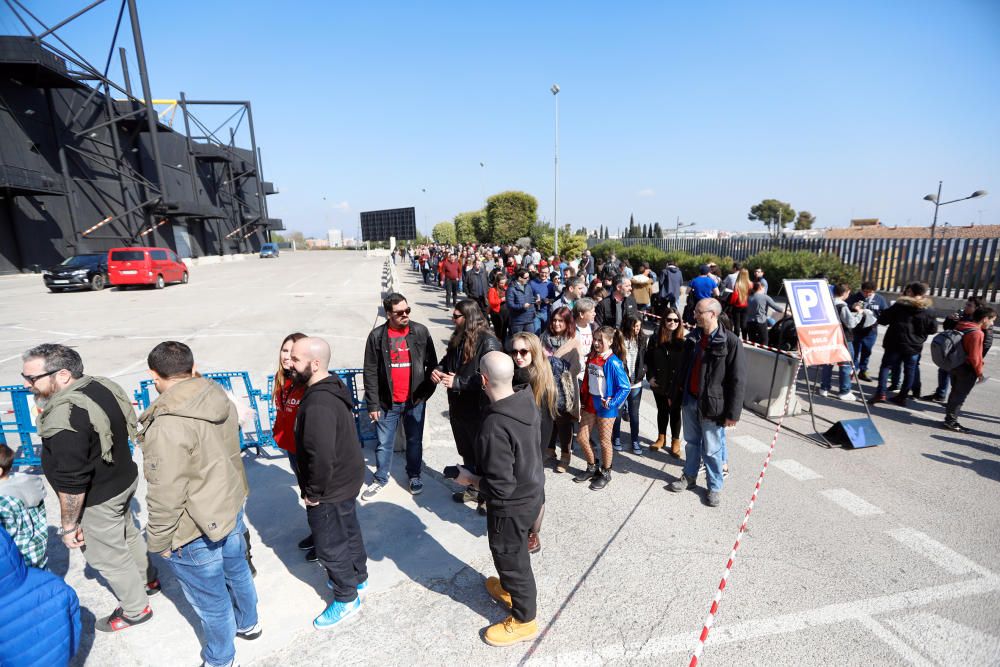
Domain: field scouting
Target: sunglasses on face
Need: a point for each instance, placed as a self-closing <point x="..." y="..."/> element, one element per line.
<point x="405" y="311"/>
<point x="521" y="352"/>
<point x="32" y="379"/>
<point x="457" y="316"/>
<point x="673" y="320"/>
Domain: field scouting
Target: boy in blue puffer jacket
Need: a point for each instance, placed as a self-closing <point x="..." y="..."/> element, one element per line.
<point x="39" y="613"/>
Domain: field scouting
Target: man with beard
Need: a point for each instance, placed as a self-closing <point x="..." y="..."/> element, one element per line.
<point x="331" y="471"/>
<point x="85" y="426"/>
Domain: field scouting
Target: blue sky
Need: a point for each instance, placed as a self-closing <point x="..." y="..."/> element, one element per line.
<point x="851" y="109"/>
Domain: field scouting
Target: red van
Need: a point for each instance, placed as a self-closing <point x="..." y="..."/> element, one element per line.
<point x="145" y="266"/>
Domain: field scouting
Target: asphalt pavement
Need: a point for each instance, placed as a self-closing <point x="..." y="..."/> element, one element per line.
<point x="878" y="556"/>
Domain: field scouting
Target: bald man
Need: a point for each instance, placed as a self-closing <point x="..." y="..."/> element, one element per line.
<point x="331" y="471"/>
<point x="508" y="453"/>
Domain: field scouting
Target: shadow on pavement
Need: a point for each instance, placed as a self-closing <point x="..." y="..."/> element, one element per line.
<point x="987" y="468"/>
<point x="87" y="622"/>
<point x="965" y="442"/>
<point x="418" y="555"/>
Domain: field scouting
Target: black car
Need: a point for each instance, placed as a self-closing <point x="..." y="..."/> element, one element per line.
<point x="78" y="271"/>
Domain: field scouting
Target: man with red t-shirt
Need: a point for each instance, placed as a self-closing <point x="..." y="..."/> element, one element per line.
<point x="399" y="358"/>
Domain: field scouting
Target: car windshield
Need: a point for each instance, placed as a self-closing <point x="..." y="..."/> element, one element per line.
<point x="127" y="255"/>
<point x="80" y="260"/>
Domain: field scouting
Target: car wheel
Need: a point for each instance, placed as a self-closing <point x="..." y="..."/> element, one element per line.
<point x="97" y="283"/>
<point x="159" y="282"/>
<point x="184" y="278"/>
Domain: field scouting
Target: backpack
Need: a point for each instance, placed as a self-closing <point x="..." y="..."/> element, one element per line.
<point x="947" y="350"/>
<point x="567" y="391"/>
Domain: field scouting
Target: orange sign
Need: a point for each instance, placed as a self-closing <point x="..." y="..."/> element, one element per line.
<point x="821" y="338"/>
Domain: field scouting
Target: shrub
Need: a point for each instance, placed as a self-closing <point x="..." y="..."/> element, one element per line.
<point x="779" y="265"/>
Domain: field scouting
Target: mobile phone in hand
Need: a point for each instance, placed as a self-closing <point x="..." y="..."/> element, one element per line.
<point x="451" y="472"/>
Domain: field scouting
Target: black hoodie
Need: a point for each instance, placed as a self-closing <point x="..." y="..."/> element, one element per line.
<point x="509" y="454"/>
<point x="910" y="323"/>
<point x="331" y="465"/>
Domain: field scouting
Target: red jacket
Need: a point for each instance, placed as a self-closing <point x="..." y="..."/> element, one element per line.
<point x="286" y="406"/>
<point x="973" y="344"/>
<point x="495" y="296"/>
<point x="451" y="270"/>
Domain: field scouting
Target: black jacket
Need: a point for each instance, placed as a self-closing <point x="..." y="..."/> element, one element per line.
<point x="605" y="312"/>
<point x="663" y="362"/>
<point x="331" y="465"/>
<point x="639" y="372"/>
<point x="476" y="285"/>
<point x="909" y="323"/>
<point x="467" y="377"/>
<point x="509" y="455"/>
<point x="378" y="367"/>
<point x="722" y="379"/>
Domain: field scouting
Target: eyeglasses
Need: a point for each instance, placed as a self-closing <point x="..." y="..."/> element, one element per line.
<point x="457" y="316"/>
<point x="405" y="311"/>
<point x="673" y="320"/>
<point x="32" y="379"/>
<point x="520" y="352"/>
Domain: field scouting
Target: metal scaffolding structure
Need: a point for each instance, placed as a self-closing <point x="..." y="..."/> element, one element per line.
<point x="86" y="165"/>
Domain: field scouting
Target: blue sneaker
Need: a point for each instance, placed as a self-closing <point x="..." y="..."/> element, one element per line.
<point x="336" y="613"/>
<point x="618" y="447"/>
<point x="362" y="587"/>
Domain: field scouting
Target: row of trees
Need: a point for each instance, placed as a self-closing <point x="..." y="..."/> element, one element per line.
<point x="777" y="215"/>
<point x="509" y="217"/>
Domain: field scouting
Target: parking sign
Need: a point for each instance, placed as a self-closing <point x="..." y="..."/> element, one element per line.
<point x="821" y="338"/>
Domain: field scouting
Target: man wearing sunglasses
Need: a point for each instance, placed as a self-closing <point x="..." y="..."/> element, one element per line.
<point x="85" y="426"/>
<point x="399" y="358"/>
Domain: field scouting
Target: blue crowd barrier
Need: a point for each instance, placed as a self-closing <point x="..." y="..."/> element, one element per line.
<point x="26" y="452"/>
<point x="352" y="378"/>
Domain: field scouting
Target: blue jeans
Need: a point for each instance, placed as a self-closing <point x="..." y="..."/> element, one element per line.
<point x="633" y="402"/>
<point x="826" y="377"/>
<point x="705" y="440"/>
<point x="892" y="359"/>
<point x="862" y="348"/>
<point x="216" y="581"/>
<point x="944" y="382"/>
<point x="413" y="427"/>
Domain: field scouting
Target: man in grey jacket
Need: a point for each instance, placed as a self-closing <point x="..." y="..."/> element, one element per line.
<point x="196" y="490"/>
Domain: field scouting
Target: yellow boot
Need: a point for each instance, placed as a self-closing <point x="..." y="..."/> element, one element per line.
<point x="675" y="448"/>
<point x="497" y="592"/>
<point x="510" y="631"/>
<point x="660" y="441"/>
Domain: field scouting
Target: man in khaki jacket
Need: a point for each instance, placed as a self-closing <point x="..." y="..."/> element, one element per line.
<point x="196" y="490"/>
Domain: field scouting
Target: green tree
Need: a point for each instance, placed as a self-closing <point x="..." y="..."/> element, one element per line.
<point x="298" y="238"/>
<point x="444" y="232"/>
<point x="806" y="220"/>
<point x="606" y="232"/>
<point x="657" y="231"/>
<point x="510" y="215"/>
<point x="773" y="213"/>
<point x="582" y="232"/>
<point x="645" y="231"/>
<point x="465" y="228"/>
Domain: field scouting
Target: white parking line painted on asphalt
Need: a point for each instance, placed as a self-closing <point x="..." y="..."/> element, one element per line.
<point x="945" y="641"/>
<point x="796" y="470"/>
<point x="948" y="560"/>
<point x="778" y="625"/>
<point x="906" y="651"/>
<point x="854" y="504"/>
<point x="752" y="444"/>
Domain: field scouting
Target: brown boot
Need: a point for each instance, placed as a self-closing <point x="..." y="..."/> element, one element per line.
<point x="660" y="441"/>
<point x="564" y="462"/>
<point x="675" y="448"/>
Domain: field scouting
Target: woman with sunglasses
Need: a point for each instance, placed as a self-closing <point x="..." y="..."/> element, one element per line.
<point x="635" y="366"/>
<point x="459" y="372"/>
<point x="605" y="388"/>
<point x="663" y="359"/>
<point x="532" y="371"/>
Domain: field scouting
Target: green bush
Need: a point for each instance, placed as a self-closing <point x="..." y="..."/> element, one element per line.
<point x="637" y="254"/>
<point x="607" y="248"/>
<point x="779" y="265"/>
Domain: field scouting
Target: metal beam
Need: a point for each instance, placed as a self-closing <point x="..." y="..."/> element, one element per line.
<point x="151" y="117"/>
<point x="71" y="18"/>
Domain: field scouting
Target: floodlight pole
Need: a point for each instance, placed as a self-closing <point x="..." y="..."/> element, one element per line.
<point x="555" y="203"/>
<point x="147" y="98"/>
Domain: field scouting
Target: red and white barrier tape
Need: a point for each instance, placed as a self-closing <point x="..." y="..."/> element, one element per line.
<point x="98" y="225"/>
<point x="710" y="621"/>
<point x="150" y="230"/>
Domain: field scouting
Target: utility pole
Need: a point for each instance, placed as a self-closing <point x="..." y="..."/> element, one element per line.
<point x="555" y="203"/>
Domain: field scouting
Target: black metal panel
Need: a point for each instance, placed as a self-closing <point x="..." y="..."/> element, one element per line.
<point x="400" y="223"/>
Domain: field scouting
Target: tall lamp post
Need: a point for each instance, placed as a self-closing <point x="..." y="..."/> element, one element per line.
<point x="936" y="199"/>
<point x="555" y="204"/>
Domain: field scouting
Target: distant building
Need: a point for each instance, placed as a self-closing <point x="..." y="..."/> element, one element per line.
<point x="314" y="244"/>
<point x="943" y="231"/>
<point x="336" y="238"/>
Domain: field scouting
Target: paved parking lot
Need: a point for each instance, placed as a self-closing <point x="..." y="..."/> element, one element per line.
<point x="878" y="556"/>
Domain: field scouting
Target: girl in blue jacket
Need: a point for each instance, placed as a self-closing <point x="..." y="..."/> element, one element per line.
<point x="604" y="390"/>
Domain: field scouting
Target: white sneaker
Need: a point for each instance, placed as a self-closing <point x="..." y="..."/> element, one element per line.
<point x="847" y="396"/>
<point x="823" y="392"/>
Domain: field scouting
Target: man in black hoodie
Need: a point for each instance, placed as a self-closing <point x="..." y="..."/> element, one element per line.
<point x="508" y="452"/>
<point x="331" y="471"/>
<point x="910" y="323"/>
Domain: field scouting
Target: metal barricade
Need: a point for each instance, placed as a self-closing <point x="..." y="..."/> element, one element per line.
<point x="352" y="378"/>
<point x="26" y="452"/>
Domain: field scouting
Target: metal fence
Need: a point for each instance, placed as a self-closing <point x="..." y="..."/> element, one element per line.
<point x="954" y="268"/>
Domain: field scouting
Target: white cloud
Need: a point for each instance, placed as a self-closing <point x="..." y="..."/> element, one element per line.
<point x="342" y="206"/>
<point x="647" y="192"/>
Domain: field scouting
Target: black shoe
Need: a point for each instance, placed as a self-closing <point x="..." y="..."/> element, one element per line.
<point x="898" y="400"/>
<point x="250" y="633"/>
<point x="953" y="425"/>
<point x="311" y="556"/>
<point x="601" y="479"/>
<point x="937" y="398"/>
<point x="307" y="544"/>
<point x="864" y="377"/>
<point x="894" y="387"/>
<point x="152" y="587"/>
<point x="589" y="473"/>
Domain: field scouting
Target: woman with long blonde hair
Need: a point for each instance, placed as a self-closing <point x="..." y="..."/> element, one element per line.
<point x="738" y="301"/>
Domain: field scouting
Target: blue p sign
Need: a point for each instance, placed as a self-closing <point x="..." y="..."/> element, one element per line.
<point x="808" y="298"/>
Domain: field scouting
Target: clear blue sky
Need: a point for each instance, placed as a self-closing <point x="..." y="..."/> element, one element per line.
<point x="697" y="110"/>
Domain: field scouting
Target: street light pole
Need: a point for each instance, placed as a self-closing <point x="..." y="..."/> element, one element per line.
<point x="934" y="249"/>
<point x="555" y="204"/>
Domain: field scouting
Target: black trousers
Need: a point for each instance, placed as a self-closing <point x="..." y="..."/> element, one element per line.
<point x="667" y="414"/>
<point x="757" y="332"/>
<point x="450" y="292"/>
<point x="508" y="538"/>
<point x="963" y="379"/>
<point x="339" y="546"/>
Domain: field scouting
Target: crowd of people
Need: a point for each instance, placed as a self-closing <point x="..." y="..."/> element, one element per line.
<point x="546" y="357"/>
